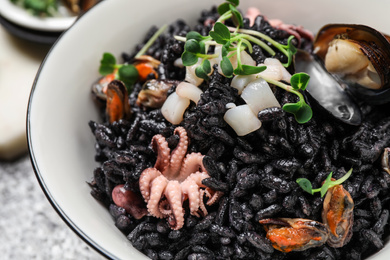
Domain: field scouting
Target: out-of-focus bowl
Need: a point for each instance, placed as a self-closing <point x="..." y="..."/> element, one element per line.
<point x="60" y="142"/>
<point x="23" y="18"/>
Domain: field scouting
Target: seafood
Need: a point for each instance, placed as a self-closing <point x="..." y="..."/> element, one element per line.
<point x="154" y="93"/>
<point x="132" y="202"/>
<point x="176" y="103"/>
<point x="258" y="95"/>
<point x="359" y="55"/>
<point x="146" y="65"/>
<point x="295" y="234"/>
<point x="385" y="160"/>
<point x="330" y="95"/>
<point x="117" y="106"/>
<point x="337" y="215"/>
<point x="175" y="178"/>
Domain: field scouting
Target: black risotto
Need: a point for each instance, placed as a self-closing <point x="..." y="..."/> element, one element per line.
<point x="257" y="173"/>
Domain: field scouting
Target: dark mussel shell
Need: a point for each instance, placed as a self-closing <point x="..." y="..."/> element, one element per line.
<point x="327" y="91"/>
<point x="373" y="44"/>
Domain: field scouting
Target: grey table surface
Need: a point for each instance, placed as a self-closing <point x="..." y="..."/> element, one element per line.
<point x="30" y="228"/>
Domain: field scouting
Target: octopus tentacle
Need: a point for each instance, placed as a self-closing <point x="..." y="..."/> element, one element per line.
<point x="164" y="207"/>
<point x="192" y="163"/>
<point x="201" y="204"/>
<point x="158" y="186"/>
<point x="160" y="146"/>
<point x="178" y="153"/>
<point x="191" y="190"/>
<point x="174" y="179"/>
<point x="174" y="196"/>
<point x="213" y="196"/>
<point x="147" y="176"/>
<point x="198" y="177"/>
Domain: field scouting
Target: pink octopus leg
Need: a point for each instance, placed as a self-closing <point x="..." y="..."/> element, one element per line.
<point x="147" y="176"/>
<point x="156" y="192"/>
<point x="174" y="196"/>
<point x="192" y="163"/>
<point x="197" y="177"/>
<point x="191" y="189"/>
<point x="164" y="208"/>
<point x="178" y="153"/>
<point x="160" y="146"/>
<point x="213" y="196"/>
<point x="201" y="204"/>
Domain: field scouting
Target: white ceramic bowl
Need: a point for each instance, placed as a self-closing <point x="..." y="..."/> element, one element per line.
<point x="60" y="141"/>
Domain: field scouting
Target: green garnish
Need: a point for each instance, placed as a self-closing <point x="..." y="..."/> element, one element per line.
<point x="38" y="7"/>
<point x="301" y="111"/>
<point x="305" y="184"/>
<point x="235" y="40"/>
<point x="125" y="72"/>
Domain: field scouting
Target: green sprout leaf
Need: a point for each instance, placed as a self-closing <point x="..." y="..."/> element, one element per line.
<point x="203" y="70"/>
<point x="248" y="70"/>
<point x="302" y="111"/>
<point x="291" y="46"/>
<point x="189" y="58"/>
<point x="223" y="8"/>
<point x="227" y="67"/>
<point x="202" y="47"/>
<point x="128" y="74"/>
<point x="221" y="33"/>
<point x="234" y="2"/>
<point x="107" y="64"/>
<point x="192" y="35"/>
<point x="299" y="80"/>
<point x="305" y="184"/>
<point x="237" y="17"/>
<point x="326" y="185"/>
<point x="192" y="46"/>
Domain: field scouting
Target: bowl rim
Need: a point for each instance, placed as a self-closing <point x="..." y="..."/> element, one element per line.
<point x="89" y="241"/>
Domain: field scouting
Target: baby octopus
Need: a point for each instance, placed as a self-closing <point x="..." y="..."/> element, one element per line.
<point x="175" y="178"/>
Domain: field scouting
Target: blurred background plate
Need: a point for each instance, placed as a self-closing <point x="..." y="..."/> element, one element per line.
<point x="44" y="37"/>
<point x="23" y="18"/>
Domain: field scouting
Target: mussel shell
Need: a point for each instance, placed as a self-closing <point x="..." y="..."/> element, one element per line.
<point x="326" y="91"/>
<point x="374" y="44"/>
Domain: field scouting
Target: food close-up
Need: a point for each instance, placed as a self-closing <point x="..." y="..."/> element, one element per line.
<point x="243" y="137"/>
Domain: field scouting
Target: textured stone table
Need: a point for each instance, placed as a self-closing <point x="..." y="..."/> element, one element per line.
<point x="29" y="226"/>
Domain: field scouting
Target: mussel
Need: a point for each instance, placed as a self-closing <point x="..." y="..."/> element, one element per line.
<point x="337" y="215"/>
<point x="385" y="161"/>
<point x="349" y="64"/>
<point x="360" y="56"/>
<point x="117" y="101"/>
<point x="154" y="93"/>
<point x="294" y="234"/>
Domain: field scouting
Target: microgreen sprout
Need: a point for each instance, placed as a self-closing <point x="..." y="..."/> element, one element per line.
<point x="125" y="72"/>
<point x="301" y="111"/>
<point x="305" y="184"/>
<point x="233" y="41"/>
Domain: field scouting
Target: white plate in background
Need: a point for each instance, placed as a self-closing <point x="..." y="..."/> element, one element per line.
<point x="22" y="17"/>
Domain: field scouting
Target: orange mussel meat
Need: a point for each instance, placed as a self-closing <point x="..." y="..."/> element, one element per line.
<point x="337" y="215"/>
<point x="294" y="234"/>
<point x="117" y="103"/>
